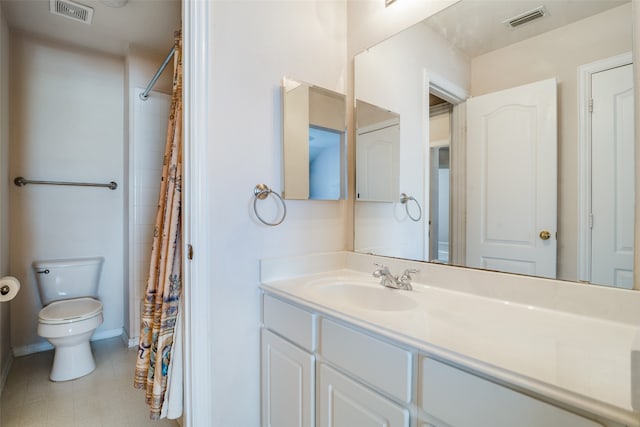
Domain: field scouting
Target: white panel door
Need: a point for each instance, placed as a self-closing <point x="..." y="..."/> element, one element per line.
<point x="288" y="384"/>
<point x="612" y="177"/>
<point x="377" y="154"/>
<point x="512" y="180"/>
<point x="346" y="403"/>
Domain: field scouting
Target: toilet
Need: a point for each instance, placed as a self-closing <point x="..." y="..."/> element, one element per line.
<point x="68" y="291"/>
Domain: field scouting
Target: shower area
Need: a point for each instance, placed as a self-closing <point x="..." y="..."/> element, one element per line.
<point x="77" y="115"/>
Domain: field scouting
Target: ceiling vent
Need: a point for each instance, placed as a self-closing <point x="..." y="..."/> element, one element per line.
<point x="72" y="10"/>
<point x="525" y="17"/>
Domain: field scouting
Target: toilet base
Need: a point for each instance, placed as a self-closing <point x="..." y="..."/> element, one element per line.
<point x="72" y="358"/>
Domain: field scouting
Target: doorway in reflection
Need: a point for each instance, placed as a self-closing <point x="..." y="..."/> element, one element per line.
<point x="439" y="171"/>
<point x="324" y="163"/>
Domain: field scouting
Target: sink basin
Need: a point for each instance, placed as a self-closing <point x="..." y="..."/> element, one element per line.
<point x="367" y="296"/>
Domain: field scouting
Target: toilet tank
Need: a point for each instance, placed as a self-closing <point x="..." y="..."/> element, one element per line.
<point x="60" y="279"/>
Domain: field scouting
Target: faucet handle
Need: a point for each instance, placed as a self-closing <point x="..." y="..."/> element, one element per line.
<point x="407" y="274"/>
<point x="381" y="269"/>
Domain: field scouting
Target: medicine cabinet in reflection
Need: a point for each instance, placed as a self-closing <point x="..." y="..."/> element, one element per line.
<point x="314" y="142"/>
<point x="377" y="153"/>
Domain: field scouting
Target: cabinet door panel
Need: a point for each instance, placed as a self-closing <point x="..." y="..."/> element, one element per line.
<point x="346" y="403"/>
<point x="288" y="384"/>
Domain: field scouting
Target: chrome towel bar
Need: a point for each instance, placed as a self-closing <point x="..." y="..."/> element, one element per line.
<point x="20" y="181"/>
<point x="261" y="192"/>
<point x="404" y="199"/>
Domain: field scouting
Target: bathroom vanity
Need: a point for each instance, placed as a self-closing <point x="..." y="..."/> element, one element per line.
<point x="463" y="348"/>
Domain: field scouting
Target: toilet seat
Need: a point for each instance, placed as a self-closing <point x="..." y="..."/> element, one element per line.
<point x="71" y="310"/>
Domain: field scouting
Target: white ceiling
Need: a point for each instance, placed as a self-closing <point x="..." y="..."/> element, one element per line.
<point x="475" y="26"/>
<point x="148" y="24"/>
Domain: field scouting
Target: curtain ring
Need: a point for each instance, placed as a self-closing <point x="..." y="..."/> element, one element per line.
<point x="261" y="192"/>
<point x="404" y="199"/>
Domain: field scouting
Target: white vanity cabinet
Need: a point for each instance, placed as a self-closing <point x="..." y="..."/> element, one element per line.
<point x="320" y="371"/>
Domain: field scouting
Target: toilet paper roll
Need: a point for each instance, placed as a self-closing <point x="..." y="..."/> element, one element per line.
<point x="9" y="287"/>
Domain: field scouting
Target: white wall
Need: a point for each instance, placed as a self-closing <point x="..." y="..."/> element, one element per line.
<point x="5" y="319"/>
<point x="145" y="136"/>
<point x="396" y="78"/>
<point x="66" y="124"/>
<point x="558" y="54"/>
<point x="255" y="44"/>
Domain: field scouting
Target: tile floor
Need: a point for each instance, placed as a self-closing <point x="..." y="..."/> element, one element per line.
<point x="105" y="398"/>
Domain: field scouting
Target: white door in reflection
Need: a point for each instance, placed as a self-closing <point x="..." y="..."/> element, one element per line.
<point x="512" y="180"/>
<point x="612" y="177"/>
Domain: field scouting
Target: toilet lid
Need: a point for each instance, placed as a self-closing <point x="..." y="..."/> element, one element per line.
<point x="70" y="310"/>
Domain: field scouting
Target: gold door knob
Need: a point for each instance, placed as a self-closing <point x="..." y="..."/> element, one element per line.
<point x="545" y="235"/>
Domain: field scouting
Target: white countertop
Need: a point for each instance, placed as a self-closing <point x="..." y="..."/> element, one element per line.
<point x="579" y="360"/>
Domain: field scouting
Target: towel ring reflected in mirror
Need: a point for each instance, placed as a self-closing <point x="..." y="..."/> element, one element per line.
<point x="261" y="192"/>
<point x="404" y="199"/>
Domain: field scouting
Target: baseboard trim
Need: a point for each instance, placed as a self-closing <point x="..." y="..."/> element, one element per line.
<point x="5" y="372"/>
<point x="45" y="346"/>
<point x="31" y="349"/>
<point x="129" y="342"/>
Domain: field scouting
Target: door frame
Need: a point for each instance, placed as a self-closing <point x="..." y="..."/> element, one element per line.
<point x="198" y="369"/>
<point x="584" y="156"/>
<point x="456" y="96"/>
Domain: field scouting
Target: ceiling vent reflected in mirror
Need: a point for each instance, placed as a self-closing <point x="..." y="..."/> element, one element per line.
<point x="71" y="10"/>
<point x="526" y="17"/>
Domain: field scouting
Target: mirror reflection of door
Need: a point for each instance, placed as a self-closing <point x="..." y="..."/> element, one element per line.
<point x="612" y="177"/>
<point x="512" y="180"/>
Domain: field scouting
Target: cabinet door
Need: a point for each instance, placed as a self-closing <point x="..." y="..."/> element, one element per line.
<point x="346" y="403"/>
<point x="288" y="384"/>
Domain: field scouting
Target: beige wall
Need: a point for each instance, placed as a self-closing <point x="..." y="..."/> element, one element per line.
<point x="558" y="54"/>
<point x="439" y="130"/>
<point x="67" y="114"/>
<point x="253" y="45"/>
<point x="369" y="22"/>
<point x="5" y="324"/>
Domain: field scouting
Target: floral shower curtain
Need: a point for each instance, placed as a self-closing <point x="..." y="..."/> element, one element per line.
<point x="164" y="287"/>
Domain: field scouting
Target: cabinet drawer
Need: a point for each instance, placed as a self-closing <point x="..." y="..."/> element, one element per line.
<point x="378" y="363"/>
<point x="463" y="400"/>
<point x="294" y="323"/>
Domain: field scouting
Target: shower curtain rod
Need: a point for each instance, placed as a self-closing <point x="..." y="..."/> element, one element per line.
<point x="145" y="95"/>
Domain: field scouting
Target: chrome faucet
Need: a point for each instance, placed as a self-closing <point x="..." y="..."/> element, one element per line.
<point x="390" y="281"/>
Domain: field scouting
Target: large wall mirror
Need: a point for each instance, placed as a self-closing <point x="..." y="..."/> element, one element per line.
<point x="314" y="142"/>
<point x="516" y="139"/>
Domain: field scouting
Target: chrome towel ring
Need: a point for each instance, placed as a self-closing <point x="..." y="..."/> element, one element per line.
<point x="261" y="192"/>
<point x="404" y="199"/>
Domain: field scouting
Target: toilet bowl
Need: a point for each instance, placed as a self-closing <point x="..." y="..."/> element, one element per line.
<point x="68" y="325"/>
<point x="71" y="313"/>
